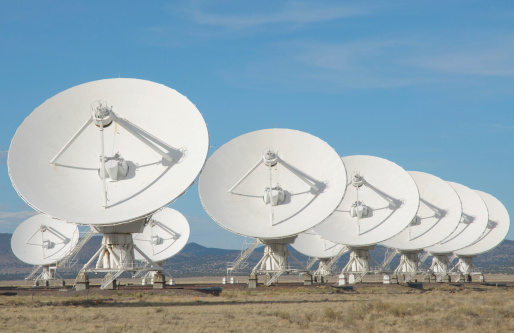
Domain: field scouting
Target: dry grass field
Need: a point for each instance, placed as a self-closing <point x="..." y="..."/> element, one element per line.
<point x="368" y="308"/>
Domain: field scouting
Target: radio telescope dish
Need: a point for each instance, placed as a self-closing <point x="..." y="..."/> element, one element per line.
<point x="438" y="215"/>
<point x="41" y="240"/>
<point x="165" y="235"/>
<point x="311" y="244"/>
<point x="472" y="223"/>
<point x="108" y="152"/>
<point x="381" y="200"/>
<point x="497" y="228"/>
<point x="272" y="183"/>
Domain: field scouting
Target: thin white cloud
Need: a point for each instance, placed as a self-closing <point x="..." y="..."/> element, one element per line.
<point x="344" y="56"/>
<point x="472" y="62"/>
<point x="486" y="54"/>
<point x="10" y="220"/>
<point x="292" y="12"/>
<point x="383" y="63"/>
<point x="508" y="127"/>
<point x="199" y="21"/>
<point x="311" y="65"/>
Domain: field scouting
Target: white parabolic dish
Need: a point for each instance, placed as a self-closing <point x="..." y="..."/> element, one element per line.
<point x="438" y="214"/>
<point x="497" y="227"/>
<point x="165" y="234"/>
<point x="388" y="193"/>
<point x="41" y="240"/>
<point x="234" y="181"/>
<point x="472" y="224"/>
<point x="313" y="245"/>
<point x="72" y="189"/>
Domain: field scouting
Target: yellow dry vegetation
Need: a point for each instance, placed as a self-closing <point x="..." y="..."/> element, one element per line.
<point x="469" y="308"/>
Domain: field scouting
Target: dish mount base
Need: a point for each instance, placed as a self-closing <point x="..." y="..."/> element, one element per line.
<point x="409" y="264"/>
<point x="116" y="256"/>
<point x="358" y="265"/>
<point x="48" y="274"/>
<point x="465" y="264"/>
<point x="275" y="260"/>
<point x="439" y="267"/>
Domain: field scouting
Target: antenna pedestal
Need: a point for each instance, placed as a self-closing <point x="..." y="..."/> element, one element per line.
<point x="276" y="255"/>
<point x="275" y="260"/>
<point x="156" y="277"/>
<point x="48" y="274"/>
<point x="408" y="267"/>
<point x="409" y="263"/>
<point x="440" y="264"/>
<point x="439" y="267"/>
<point x="115" y="256"/>
<point x="152" y="240"/>
<point x="466" y="267"/>
<point x="117" y="253"/>
<point x="324" y="268"/>
<point x="359" y="264"/>
<point x="149" y="278"/>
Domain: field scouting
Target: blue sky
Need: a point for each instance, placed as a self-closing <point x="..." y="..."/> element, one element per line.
<point x="427" y="85"/>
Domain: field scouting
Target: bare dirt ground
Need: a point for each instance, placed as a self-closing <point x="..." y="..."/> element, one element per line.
<point x="288" y="307"/>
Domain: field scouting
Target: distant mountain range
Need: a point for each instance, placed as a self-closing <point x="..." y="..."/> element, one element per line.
<point x="197" y="260"/>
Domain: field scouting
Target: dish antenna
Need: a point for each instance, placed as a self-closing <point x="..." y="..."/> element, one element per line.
<point x="311" y="244"/>
<point x="106" y="153"/>
<point x="472" y="224"/>
<point x="43" y="241"/>
<point x="163" y="236"/>
<point x="497" y="229"/>
<point x="381" y="200"/>
<point x="438" y="216"/>
<point x="272" y="184"/>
